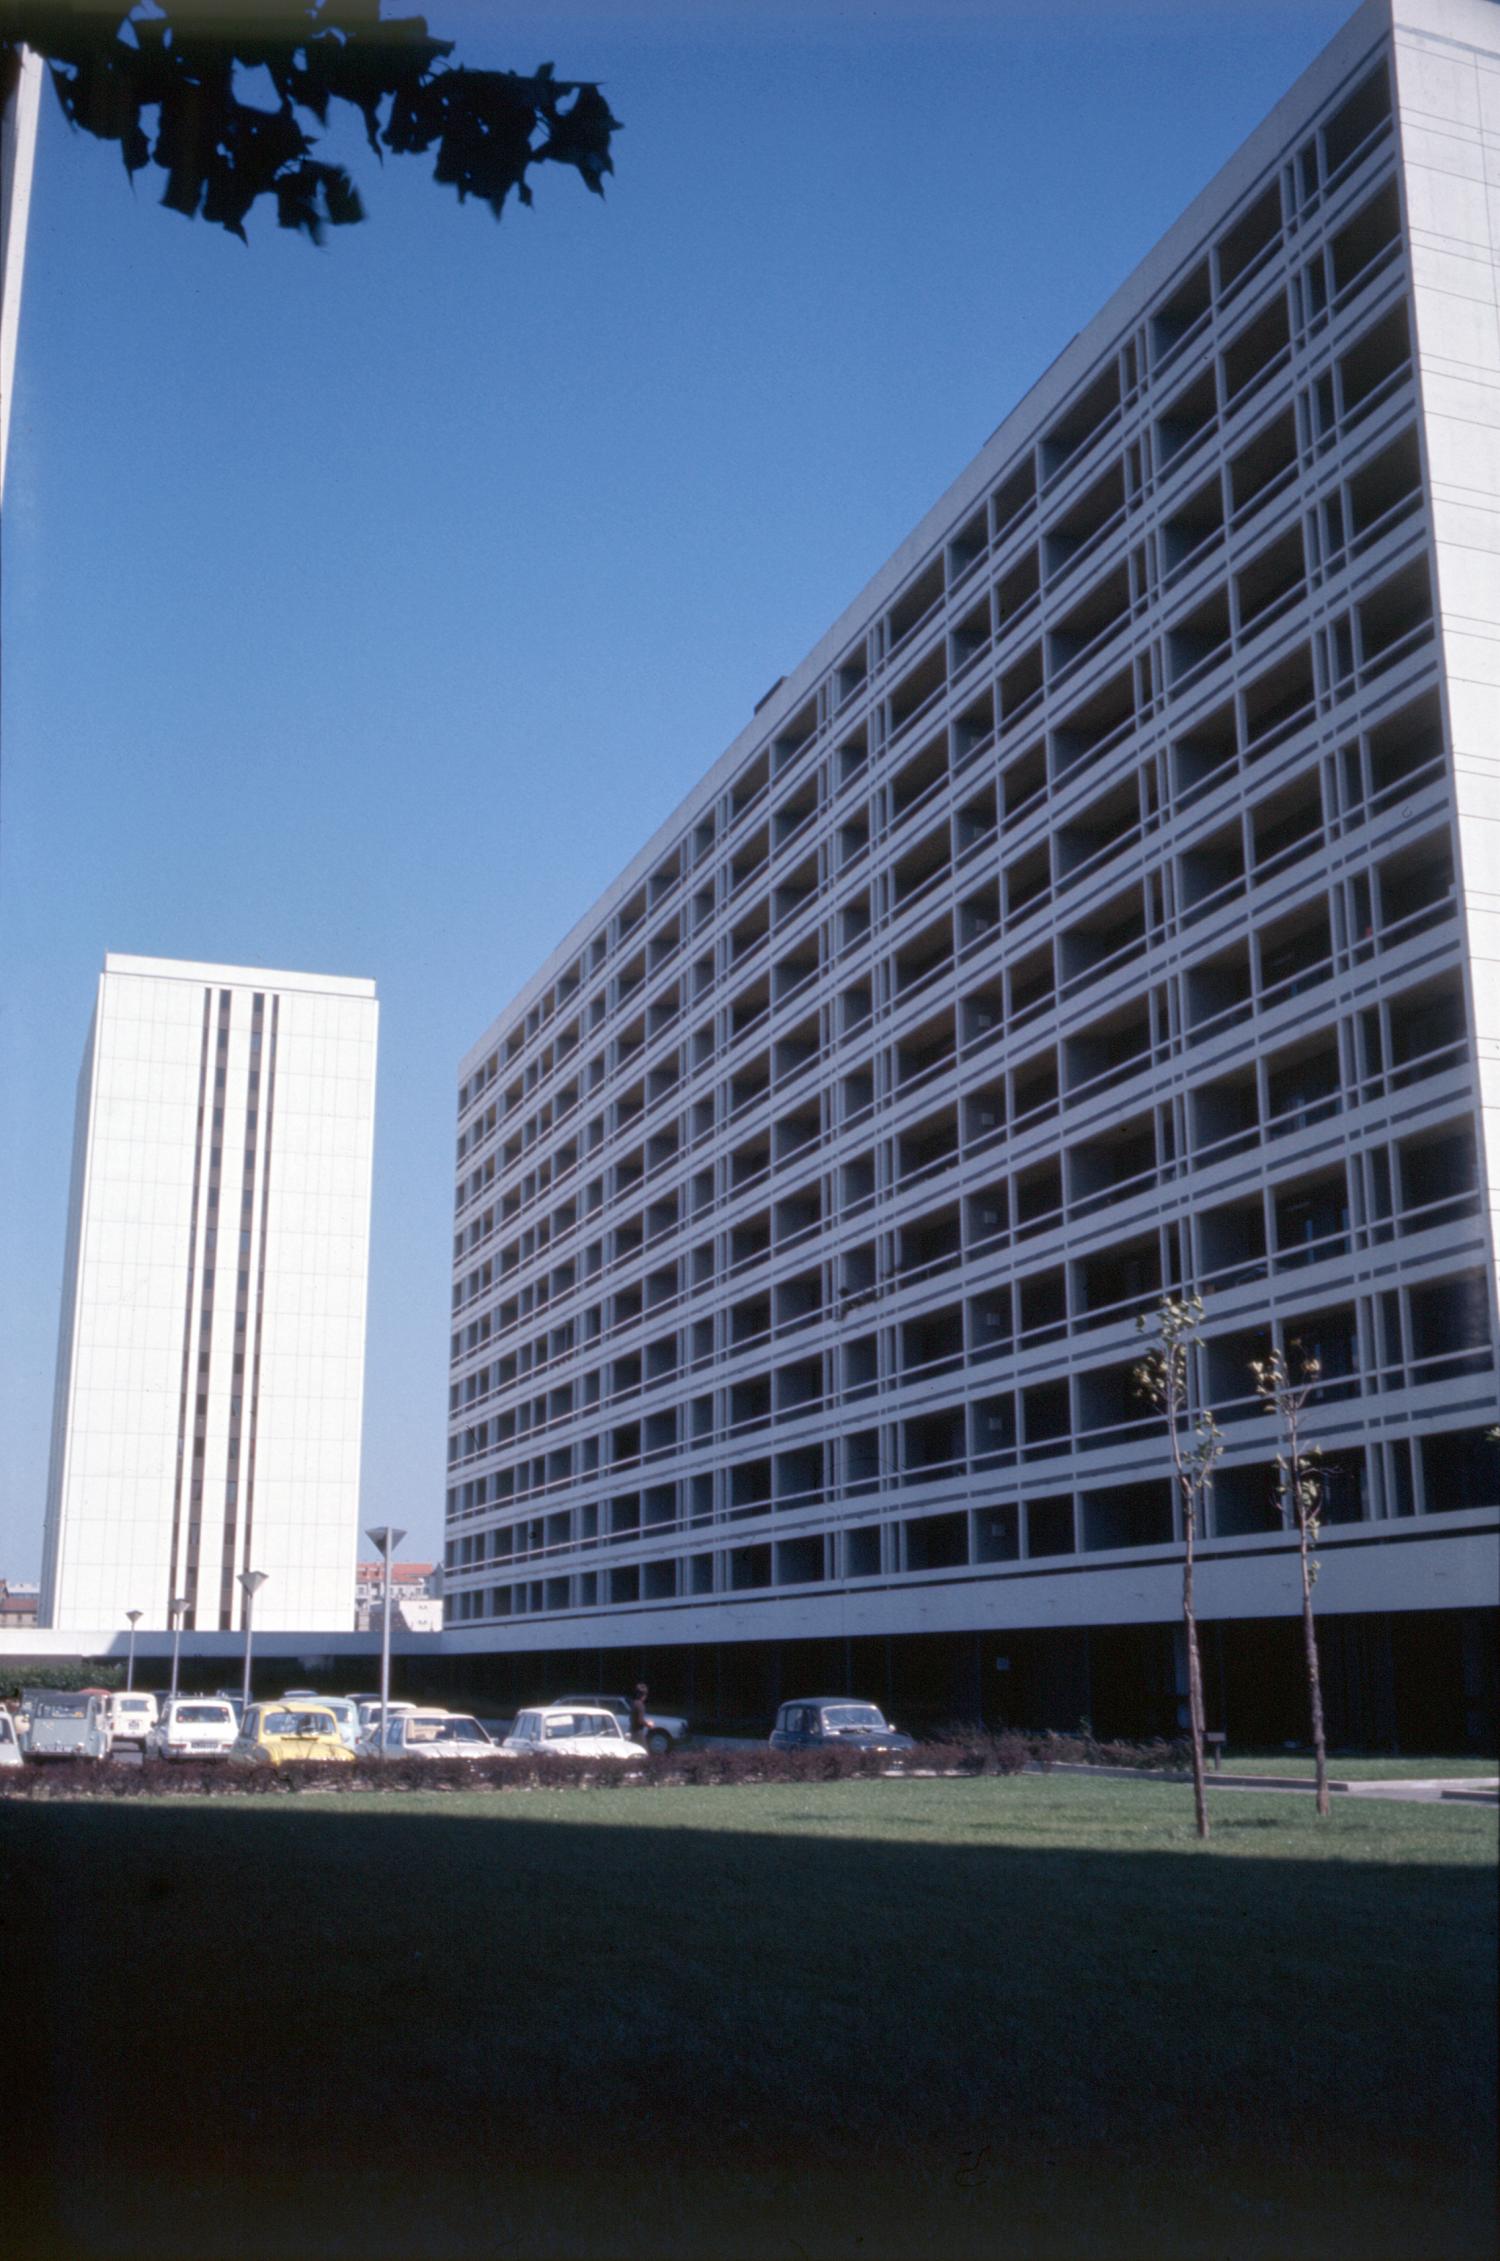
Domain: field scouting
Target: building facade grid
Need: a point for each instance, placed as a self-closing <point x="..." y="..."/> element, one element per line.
<point x="1089" y="927"/>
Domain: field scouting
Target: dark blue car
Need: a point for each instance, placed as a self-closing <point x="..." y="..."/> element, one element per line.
<point x="812" y="1720"/>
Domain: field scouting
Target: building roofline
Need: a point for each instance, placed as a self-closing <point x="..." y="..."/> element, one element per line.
<point x="117" y="963"/>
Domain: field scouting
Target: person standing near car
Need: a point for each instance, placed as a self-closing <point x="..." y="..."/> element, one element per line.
<point x="638" y="1713"/>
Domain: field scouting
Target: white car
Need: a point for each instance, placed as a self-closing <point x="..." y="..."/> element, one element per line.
<point x="569" y="1731"/>
<point x="193" y="1727"/>
<point x="413" y="1734"/>
<point x="131" y="1716"/>
<point x="368" y="1713"/>
<point x="662" y="1729"/>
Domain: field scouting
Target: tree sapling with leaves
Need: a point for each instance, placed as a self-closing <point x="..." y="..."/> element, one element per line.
<point x="1299" y="1496"/>
<point x="1165" y="1377"/>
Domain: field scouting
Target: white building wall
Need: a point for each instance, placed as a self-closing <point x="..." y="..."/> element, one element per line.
<point x="1448" y="78"/>
<point x="210" y="1373"/>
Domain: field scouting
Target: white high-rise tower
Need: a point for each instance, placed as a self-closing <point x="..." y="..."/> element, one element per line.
<point x="210" y="1371"/>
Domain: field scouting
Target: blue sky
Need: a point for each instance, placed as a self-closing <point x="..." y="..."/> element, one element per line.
<point x="365" y="609"/>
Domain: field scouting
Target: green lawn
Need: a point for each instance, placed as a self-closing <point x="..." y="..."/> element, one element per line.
<point x="1027" y="2017"/>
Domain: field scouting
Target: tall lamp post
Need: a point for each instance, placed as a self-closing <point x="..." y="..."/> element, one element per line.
<point x="134" y="1616"/>
<point x="176" y="1610"/>
<point x="252" y="1581"/>
<point x="386" y="1540"/>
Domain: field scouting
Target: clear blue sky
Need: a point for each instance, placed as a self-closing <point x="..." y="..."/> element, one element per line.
<point x="366" y="608"/>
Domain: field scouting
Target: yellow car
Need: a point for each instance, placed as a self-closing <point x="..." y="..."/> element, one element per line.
<point x="270" y="1734"/>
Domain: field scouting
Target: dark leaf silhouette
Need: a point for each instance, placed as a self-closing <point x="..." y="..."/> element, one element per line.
<point x="163" y="86"/>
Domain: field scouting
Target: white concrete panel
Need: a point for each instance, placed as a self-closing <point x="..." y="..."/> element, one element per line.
<point x="142" y="1304"/>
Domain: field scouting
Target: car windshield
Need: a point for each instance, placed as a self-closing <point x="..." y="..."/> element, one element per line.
<point x="444" y="1730"/>
<point x="298" y="1723"/>
<point x="852" y="1715"/>
<point x="49" y="1705"/>
<point x="580" y="1723"/>
<point x="202" y="1715"/>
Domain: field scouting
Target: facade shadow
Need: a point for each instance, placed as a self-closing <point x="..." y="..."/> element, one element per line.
<point x="249" y="2033"/>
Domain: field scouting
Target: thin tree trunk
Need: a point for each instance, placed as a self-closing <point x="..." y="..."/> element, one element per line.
<point x="1314" y="1680"/>
<point x="1194" y="1668"/>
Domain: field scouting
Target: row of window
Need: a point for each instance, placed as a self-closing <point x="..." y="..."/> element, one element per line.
<point x="1432" y="1331"/>
<point x="1292" y="819"/>
<point x="1407" y="896"/>
<point x="1412" y="1039"/>
<point x="1427" y="1178"/>
<point x="1352" y="251"/>
<point x="1387" y="629"/>
<point x="1432" y="1473"/>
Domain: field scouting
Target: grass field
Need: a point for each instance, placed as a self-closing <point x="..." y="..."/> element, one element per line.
<point x="1001" y="2017"/>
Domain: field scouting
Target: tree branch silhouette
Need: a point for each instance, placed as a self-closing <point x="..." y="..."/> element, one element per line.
<point x="163" y="85"/>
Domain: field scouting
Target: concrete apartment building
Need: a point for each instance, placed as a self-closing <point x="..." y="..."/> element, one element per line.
<point x="1106" y="906"/>
<point x="210" y="1379"/>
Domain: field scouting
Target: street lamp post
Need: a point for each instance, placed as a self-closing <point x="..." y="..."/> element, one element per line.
<point x="134" y="1616"/>
<point x="386" y="1539"/>
<point x="252" y="1581"/>
<point x="176" y="1611"/>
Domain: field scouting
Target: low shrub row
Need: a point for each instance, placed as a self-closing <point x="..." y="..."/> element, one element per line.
<point x="1084" y="1749"/>
<point x="959" y="1750"/>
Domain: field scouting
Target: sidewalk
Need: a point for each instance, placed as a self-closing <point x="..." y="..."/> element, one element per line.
<point x="1460" y="1789"/>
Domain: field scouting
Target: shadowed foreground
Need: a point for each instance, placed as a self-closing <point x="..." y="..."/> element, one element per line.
<point x="1026" y="2018"/>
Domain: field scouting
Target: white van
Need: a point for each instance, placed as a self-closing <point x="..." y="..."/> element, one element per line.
<point x="131" y="1716"/>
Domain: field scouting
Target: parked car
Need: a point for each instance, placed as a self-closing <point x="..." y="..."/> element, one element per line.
<point x="10" y="1741"/>
<point x="813" y="1720"/>
<point x="345" y="1710"/>
<point x="570" y="1731"/>
<point x="431" y="1735"/>
<point x="131" y="1716"/>
<point x="662" y="1730"/>
<point x="271" y="1734"/>
<point x="368" y="1713"/>
<point x="193" y="1727"/>
<point x="65" y="1723"/>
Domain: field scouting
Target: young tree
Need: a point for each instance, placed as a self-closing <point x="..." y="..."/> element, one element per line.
<point x="1299" y="1496"/>
<point x="1165" y="1377"/>
<point x="114" y="66"/>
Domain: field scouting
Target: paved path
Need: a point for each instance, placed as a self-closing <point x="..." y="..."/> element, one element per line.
<point x="1457" y="1789"/>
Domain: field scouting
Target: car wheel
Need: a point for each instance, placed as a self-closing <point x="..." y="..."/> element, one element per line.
<point x="658" y="1742"/>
